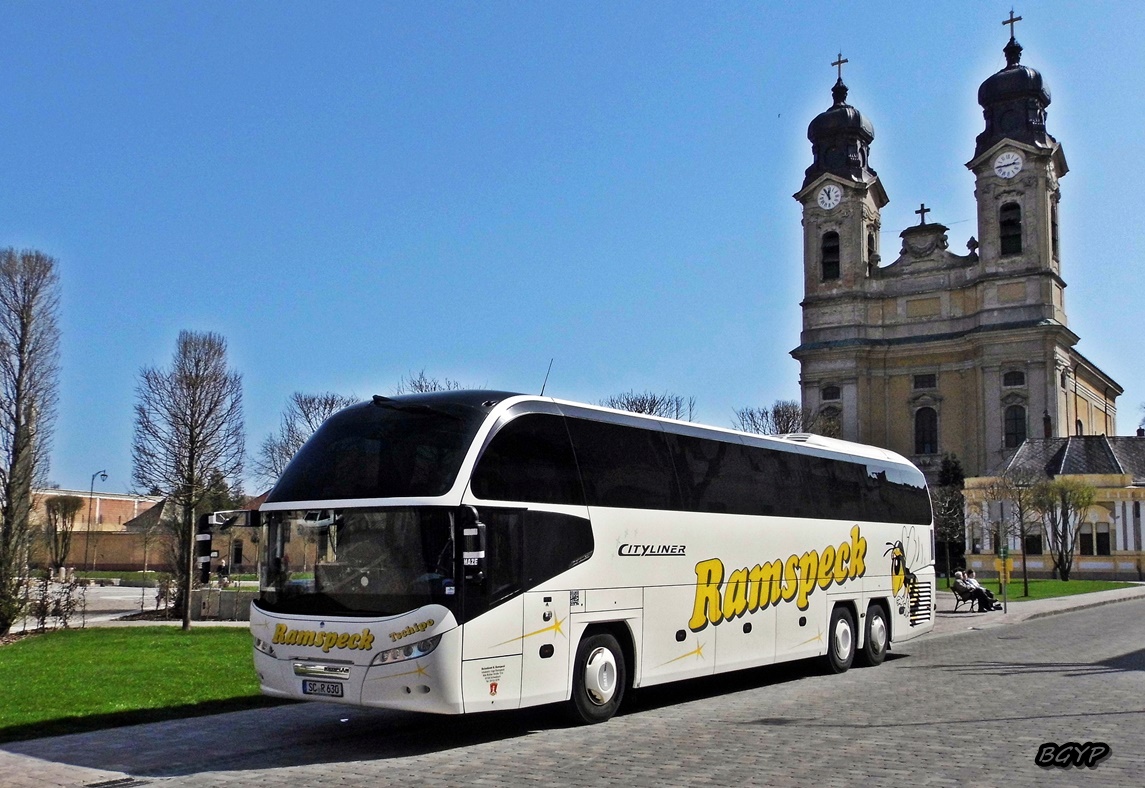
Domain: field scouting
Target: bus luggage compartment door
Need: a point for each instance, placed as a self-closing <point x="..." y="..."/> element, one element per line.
<point x="545" y="648"/>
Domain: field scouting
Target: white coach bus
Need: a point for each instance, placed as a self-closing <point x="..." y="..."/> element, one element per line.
<point x="474" y="550"/>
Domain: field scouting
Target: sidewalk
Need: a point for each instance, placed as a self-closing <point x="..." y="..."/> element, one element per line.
<point x="948" y="622"/>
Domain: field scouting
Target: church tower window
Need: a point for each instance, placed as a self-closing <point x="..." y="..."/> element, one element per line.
<point x="1079" y="429"/>
<point x="1010" y="228"/>
<point x="830" y="254"/>
<point x="1014" y="378"/>
<point x="1015" y="426"/>
<point x="1054" y="230"/>
<point x="926" y="431"/>
<point x="831" y="393"/>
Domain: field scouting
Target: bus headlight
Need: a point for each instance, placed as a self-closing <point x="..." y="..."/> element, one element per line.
<point x="410" y="651"/>
<point x="264" y="647"/>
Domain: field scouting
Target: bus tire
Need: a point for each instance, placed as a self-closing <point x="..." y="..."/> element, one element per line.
<point x="599" y="677"/>
<point x="877" y="637"/>
<point x="840" y="640"/>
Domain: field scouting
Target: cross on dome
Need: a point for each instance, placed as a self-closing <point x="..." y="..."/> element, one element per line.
<point x="1013" y="20"/>
<point x="843" y="60"/>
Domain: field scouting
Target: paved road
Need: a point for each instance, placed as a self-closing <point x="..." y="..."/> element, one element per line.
<point x="969" y="708"/>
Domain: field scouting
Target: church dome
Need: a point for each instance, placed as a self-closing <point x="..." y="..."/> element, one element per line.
<point x="1014" y="102"/>
<point x="840" y="119"/>
<point x="840" y="140"/>
<point x="1015" y="81"/>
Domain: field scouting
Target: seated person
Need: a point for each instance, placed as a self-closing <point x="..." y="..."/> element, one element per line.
<point x="977" y="594"/>
<point x="972" y="581"/>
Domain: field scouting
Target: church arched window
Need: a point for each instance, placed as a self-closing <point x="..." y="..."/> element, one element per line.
<point x="1010" y="228"/>
<point x="926" y="431"/>
<point x="831" y="393"/>
<point x="830" y="255"/>
<point x="1015" y="426"/>
<point x="872" y="252"/>
<point x="1014" y="378"/>
<point x="1079" y="428"/>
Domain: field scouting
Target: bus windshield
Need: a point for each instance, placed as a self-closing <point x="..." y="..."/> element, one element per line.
<point x="390" y="448"/>
<point x="357" y="562"/>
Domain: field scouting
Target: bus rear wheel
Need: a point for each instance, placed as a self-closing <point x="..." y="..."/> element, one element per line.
<point x="599" y="677"/>
<point x="840" y="640"/>
<point x="874" y="649"/>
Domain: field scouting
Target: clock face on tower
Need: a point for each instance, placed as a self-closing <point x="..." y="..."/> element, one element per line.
<point x="829" y="196"/>
<point x="1008" y="164"/>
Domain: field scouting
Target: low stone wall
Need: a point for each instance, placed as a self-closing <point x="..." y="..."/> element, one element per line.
<point x="221" y="604"/>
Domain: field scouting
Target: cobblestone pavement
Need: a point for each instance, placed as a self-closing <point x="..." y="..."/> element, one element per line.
<point x="966" y="707"/>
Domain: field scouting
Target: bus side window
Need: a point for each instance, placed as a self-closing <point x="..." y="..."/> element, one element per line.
<point x="554" y="543"/>
<point x="529" y="459"/>
<point x="624" y="467"/>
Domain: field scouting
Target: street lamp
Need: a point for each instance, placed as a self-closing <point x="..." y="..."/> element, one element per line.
<point x="90" y="496"/>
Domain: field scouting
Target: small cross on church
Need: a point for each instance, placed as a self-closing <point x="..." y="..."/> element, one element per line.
<point x="1012" y="21"/>
<point x="843" y="60"/>
<point x="922" y="212"/>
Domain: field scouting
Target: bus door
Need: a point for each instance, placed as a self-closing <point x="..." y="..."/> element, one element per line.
<point x="491" y="607"/>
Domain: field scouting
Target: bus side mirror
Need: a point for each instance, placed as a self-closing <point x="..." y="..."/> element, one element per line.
<point x="473" y="543"/>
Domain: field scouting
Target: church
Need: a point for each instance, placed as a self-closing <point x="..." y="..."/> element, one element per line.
<point x="931" y="351"/>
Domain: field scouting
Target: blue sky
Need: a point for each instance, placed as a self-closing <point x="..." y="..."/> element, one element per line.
<point x="353" y="192"/>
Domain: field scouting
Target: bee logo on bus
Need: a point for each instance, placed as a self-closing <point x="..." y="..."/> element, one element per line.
<point x="747" y="590"/>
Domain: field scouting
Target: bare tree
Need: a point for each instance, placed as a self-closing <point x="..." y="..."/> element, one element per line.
<point x="422" y="384"/>
<point x="303" y="415"/>
<point x="670" y="406"/>
<point x="188" y="434"/>
<point x="1019" y="490"/>
<point x="61" y="511"/>
<point x="783" y="417"/>
<point x="29" y="371"/>
<point x="1062" y="503"/>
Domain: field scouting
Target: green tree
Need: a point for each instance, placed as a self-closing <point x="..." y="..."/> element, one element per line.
<point x="949" y="506"/>
<point x="61" y="511"/>
<point x="188" y="434"/>
<point x="1062" y="504"/>
<point x="29" y="372"/>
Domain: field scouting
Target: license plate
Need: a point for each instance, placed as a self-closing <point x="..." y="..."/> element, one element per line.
<point x="328" y="689"/>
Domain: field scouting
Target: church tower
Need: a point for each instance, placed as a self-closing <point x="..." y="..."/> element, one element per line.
<point x="936" y="352"/>
<point x="841" y="198"/>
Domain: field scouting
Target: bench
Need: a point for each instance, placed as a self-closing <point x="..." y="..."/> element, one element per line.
<point x="962" y="597"/>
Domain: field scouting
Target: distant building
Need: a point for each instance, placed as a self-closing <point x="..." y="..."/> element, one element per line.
<point x="1109" y="543"/>
<point x="100" y="539"/>
<point x="936" y="352"/>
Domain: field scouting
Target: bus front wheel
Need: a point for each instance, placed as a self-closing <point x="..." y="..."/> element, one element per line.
<point x="599" y="676"/>
<point x="841" y="640"/>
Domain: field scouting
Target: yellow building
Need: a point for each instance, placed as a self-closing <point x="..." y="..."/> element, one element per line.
<point x="1109" y="537"/>
<point x="936" y="352"/>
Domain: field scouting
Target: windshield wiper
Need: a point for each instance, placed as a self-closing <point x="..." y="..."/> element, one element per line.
<point x="412" y="407"/>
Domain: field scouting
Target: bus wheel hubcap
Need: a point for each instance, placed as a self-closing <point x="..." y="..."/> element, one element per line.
<point x="600" y="676"/>
<point x="878" y="634"/>
<point x="842" y="640"/>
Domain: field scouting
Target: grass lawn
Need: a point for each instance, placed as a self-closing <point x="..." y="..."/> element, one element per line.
<point x="78" y="680"/>
<point x="1044" y="589"/>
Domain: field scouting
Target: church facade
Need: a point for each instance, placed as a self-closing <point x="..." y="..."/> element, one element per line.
<point x="938" y="352"/>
